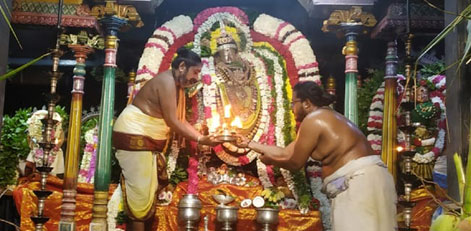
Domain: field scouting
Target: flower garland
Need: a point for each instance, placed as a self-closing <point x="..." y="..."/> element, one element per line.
<point x="265" y="172"/>
<point x="279" y="93"/>
<point x="158" y="45"/>
<point x="172" y="157"/>
<point x="193" y="175"/>
<point x="205" y="14"/>
<point x="375" y="120"/>
<point x="215" y="18"/>
<point x="115" y="205"/>
<point x="294" y="41"/>
<point x="36" y="128"/>
<point x="280" y="111"/>
<point x="375" y="123"/>
<point x="87" y="166"/>
<point x="157" y="56"/>
<point x="314" y="174"/>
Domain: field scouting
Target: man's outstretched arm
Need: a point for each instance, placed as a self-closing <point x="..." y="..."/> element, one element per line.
<point x="295" y="155"/>
<point x="274" y="155"/>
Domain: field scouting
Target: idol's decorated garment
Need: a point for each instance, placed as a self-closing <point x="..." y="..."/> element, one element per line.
<point x="139" y="140"/>
<point x="363" y="196"/>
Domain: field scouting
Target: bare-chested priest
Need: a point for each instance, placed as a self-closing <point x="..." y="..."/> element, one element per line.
<point x="361" y="190"/>
<point x="141" y="131"/>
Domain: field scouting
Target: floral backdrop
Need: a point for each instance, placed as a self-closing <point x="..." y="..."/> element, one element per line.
<point x="280" y="56"/>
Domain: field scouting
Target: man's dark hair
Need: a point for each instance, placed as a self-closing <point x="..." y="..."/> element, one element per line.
<point x="311" y="91"/>
<point x="188" y="57"/>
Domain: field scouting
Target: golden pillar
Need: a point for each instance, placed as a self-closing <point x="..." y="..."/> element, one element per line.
<point x="82" y="45"/>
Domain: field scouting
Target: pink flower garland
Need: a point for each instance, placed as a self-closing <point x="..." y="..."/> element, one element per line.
<point x="192" y="175"/>
<point x="145" y="70"/>
<point x="91" y="170"/>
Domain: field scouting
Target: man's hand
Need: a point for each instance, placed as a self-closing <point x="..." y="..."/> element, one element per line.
<point x="242" y="141"/>
<point x="208" y="140"/>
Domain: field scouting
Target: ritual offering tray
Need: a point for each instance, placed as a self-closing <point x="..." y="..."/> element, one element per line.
<point x="227" y="137"/>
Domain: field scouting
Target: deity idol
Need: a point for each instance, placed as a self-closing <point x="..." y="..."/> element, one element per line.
<point x="424" y="116"/>
<point x="238" y="87"/>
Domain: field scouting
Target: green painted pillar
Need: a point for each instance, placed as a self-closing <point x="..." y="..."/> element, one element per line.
<point x="113" y="18"/>
<point x="350" y="50"/>
<point x="112" y="25"/>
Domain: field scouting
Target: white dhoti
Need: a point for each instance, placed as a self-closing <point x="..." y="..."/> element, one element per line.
<point x="138" y="138"/>
<point x="363" y="196"/>
<point x="139" y="169"/>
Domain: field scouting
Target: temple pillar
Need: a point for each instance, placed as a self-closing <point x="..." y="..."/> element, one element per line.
<point x="350" y="23"/>
<point x="112" y="17"/>
<point x="81" y="50"/>
<point x="350" y="50"/>
<point x="389" y="131"/>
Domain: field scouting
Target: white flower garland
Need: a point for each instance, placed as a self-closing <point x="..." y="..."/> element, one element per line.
<point x="209" y="90"/>
<point x="155" y="48"/>
<point x="316" y="186"/>
<point x="214" y="18"/>
<point x="115" y="205"/>
<point x="172" y="158"/>
<point x="263" y="175"/>
<point x="280" y="113"/>
<point x="90" y="136"/>
<point x="278" y="84"/>
<point x="297" y="44"/>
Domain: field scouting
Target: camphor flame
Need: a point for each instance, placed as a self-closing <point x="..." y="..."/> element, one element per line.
<point x="236" y="123"/>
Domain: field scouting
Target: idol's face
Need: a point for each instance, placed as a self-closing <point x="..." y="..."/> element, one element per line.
<point x="422" y="94"/>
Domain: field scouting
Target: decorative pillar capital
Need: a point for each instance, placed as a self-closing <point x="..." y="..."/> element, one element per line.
<point x="81" y="52"/>
<point x="353" y="17"/>
<point x="82" y="38"/>
<point x="116" y="17"/>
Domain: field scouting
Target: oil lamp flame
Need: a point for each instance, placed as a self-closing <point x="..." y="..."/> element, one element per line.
<point x="215" y="122"/>
<point x="227" y="111"/>
<point x="236" y="123"/>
